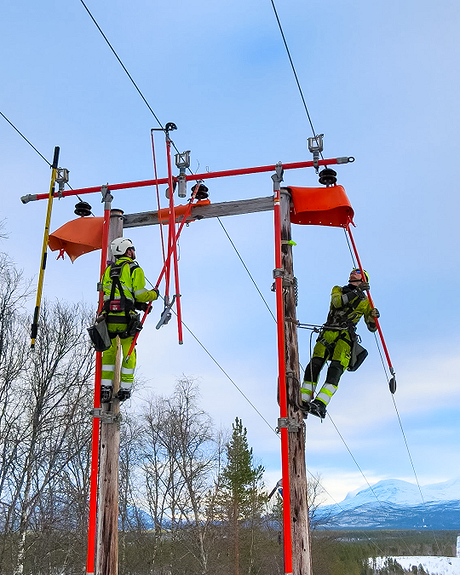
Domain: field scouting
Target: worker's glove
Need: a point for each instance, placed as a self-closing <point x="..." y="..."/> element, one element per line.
<point x="156" y="291"/>
<point x="364" y="286"/>
<point x="375" y="312"/>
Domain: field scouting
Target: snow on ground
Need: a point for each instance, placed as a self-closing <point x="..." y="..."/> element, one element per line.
<point x="433" y="565"/>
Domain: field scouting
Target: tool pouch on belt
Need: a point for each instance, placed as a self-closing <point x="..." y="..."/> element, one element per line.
<point x="358" y="355"/>
<point x="99" y="335"/>
<point x="134" y="325"/>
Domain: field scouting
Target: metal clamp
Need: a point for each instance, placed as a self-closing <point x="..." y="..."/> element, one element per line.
<point x="315" y="146"/>
<point x="62" y="178"/>
<point x="292" y="425"/>
<point x="105" y="416"/>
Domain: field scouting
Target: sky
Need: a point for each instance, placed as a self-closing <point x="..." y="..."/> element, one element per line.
<point x="380" y="80"/>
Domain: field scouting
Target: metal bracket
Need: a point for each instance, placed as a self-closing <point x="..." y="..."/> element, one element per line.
<point x="315" y="146"/>
<point x="292" y="425"/>
<point x="277" y="177"/>
<point x="105" y="416"/>
<point x="62" y="177"/>
<point x="166" y="313"/>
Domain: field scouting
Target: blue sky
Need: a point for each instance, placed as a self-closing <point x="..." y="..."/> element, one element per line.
<point x="381" y="82"/>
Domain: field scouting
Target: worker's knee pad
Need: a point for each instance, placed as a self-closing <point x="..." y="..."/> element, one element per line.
<point x="334" y="372"/>
<point x="313" y="369"/>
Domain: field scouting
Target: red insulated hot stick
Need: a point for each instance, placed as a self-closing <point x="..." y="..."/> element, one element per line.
<point x="147" y="311"/>
<point x="204" y="176"/>
<point x="392" y="382"/>
<point x="172" y="242"/>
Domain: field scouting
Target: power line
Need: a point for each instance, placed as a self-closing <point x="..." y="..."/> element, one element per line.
<point x="122" y="65"/>
<point x="221" y="369"/>
<point x="22" y="136"/>
<point x="246" y="268"/>
<point x="293" y="68"/>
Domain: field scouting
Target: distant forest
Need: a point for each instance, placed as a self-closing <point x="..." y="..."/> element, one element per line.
<point x="191" y="499"/>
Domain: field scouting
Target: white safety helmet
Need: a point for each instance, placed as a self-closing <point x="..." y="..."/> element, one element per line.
<point x="120" y="245"/>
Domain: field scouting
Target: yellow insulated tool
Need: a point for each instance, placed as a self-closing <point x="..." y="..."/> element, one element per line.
<point x="46" y="234"/>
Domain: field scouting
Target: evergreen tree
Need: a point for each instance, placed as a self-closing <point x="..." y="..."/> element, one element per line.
<point x="241" y="499"/>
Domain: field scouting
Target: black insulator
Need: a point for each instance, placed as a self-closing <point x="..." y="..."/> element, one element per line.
<point x="327" y="177"/>
<point x="202" y="192"/>
<point x="82" y="209"/>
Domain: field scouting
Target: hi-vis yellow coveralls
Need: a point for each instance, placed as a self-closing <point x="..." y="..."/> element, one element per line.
<point x="121" y="323"/>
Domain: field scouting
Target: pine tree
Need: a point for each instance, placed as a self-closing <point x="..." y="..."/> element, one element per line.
<point x="241" y="499"/>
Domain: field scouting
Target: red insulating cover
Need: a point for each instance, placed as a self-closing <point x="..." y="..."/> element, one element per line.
<point x="321" y="206"/>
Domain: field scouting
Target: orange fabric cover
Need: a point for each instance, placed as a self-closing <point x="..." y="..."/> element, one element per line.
<point x="163" y="214"/>
<point x="321" y="206"/>
<point x="77" y="237"/>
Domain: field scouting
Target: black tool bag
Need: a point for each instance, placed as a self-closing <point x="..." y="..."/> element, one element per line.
<point x="99" y="335"/>
<point x="358" y="355"/>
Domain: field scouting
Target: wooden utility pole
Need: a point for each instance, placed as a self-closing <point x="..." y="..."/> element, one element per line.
<point x="107" y="516"/>
<point x="301" y="554"/>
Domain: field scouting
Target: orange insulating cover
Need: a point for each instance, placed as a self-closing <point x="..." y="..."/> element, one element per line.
<point x="321" y="206"/>
<point x="77" y="237"/>
<point x="179" y="211"/>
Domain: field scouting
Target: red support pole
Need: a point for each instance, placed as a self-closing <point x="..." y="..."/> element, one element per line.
<point x="379" y="329"/>
<point x="282" y="379"/>
<point x="172" y="244"/>
<point x="91" y="551"/>
<point x="204" y="176"/>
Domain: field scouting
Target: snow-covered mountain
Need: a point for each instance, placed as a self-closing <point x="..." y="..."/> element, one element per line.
<point x="401" y="492"/>
<point x="396" y="504"/>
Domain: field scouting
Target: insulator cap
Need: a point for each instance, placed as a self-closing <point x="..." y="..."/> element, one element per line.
<point x="202" y="192"/>
<point x="82" y="209"/>
<point x="327" y="177"/>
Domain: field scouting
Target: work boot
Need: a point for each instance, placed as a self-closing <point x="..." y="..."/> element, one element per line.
<point x="123" y="394"/>
<point x="106" y="394"/>
<point x="317" y="407"/>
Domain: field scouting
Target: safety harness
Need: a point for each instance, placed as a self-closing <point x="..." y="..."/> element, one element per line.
<point x="114" y="305"/>
<point x="342" y="320"/>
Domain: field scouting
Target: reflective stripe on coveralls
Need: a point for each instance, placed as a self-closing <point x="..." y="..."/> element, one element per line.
<point x="108" y="364"/>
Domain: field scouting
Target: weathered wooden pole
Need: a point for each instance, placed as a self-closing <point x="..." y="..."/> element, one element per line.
<point x="107" y="517"/>
<point x="301" y="552"/>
